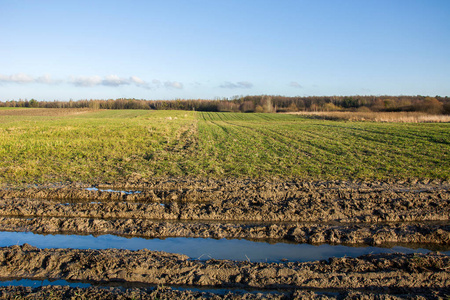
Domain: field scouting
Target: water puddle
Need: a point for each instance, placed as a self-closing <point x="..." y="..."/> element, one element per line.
<point x="204" y="248"/>
<point x="113" y="191"/>
<point x="45" y="282"/>
<point x="221" y="291"/>
<point x="33" y="283"/>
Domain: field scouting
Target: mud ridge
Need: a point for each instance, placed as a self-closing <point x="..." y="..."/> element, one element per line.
<point x="65" y="292"/>
<point x="288" y="203"/>
<point x="160" y="268"/>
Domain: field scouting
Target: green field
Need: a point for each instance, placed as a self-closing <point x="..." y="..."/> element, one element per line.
<point x="41" y="146"/>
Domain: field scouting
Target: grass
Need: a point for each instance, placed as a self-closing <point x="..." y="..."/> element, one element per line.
<point x="397" y="117"/>
<point x="286" y="145"/>
<point x="39" y="146"/>
<point x="93" y="146"/>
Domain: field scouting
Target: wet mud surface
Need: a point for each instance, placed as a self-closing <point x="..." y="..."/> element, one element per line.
<point x="304" y="212"/>
<point x="64" y="292"/>
<point x="243" y="200"/>
<point x="394" y="272"/>
<point x="333" y="212"/>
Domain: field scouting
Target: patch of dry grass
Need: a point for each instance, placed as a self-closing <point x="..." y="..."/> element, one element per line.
<point x="44" y="112"/>
<point x="394" y="117"/>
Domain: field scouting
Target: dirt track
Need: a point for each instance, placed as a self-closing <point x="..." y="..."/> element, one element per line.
<point x="376" y="272"/>
<point x="304" y="212"/>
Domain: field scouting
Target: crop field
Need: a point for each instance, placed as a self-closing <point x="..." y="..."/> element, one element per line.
<point x="42" y="145"/>
<point x="283" y="145"/>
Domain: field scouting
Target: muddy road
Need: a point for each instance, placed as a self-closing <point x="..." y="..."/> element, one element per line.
<point x="332" y="212"/>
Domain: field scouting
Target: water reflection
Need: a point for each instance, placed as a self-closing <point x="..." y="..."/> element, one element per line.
<point x="202" y="248"/>
<point x="45" y="282"/>
<point x="112" y="191"/>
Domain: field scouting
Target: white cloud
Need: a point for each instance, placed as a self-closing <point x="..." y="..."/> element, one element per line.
<point x="295" y="84"/>
<point x="86" y="81"/>
<point x="173" y="84"/>
<point x="90" y="81"/>
<point x="17" y="78"/>
<point x="22" y="78"/>
<point x="114" y="80"/>
<point x="139" y="82"/>
<point x="237" y="85"/>
<point x="47" y="79"/>
<point x="109" y="80"/>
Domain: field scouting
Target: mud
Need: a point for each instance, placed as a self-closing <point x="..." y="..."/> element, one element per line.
<point x="64" y="292"/>
<point x="240" y="200"/>
<point x="304" y="212"/>
<point x="395" y="272"/>
<point x="335" y="212"/>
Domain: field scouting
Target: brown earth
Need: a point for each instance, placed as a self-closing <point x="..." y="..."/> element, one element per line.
<point x="394" y="272"/>
<point x="304" y="212"/>
<point x="413" y="211"/>
<point x="65" y="292"/>
<point x="240" y="200"/>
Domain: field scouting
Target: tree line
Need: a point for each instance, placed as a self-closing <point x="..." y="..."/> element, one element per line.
<point x="260" y="103"/>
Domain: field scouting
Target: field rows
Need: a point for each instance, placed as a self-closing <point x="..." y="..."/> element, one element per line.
<point x="281" y="145"/>
<point x="99" y="146"/>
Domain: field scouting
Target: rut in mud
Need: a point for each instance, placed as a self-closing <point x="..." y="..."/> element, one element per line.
<point x="144" y="266"/>
<point x="162" y="292"/>
<point x="376" y="275"/>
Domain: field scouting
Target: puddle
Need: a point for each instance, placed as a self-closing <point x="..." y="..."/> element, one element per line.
<point x="224" y="291"/>
<point x="204" y="248"/>
<point x="113" y="191"/>
<point x="33" y="283"/>
<point x="45" y="282"/>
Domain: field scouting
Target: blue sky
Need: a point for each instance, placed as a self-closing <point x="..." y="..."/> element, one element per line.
<point x="61" y="50"/>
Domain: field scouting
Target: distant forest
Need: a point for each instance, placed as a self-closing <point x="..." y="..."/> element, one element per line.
<point x="262" y="103"/>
